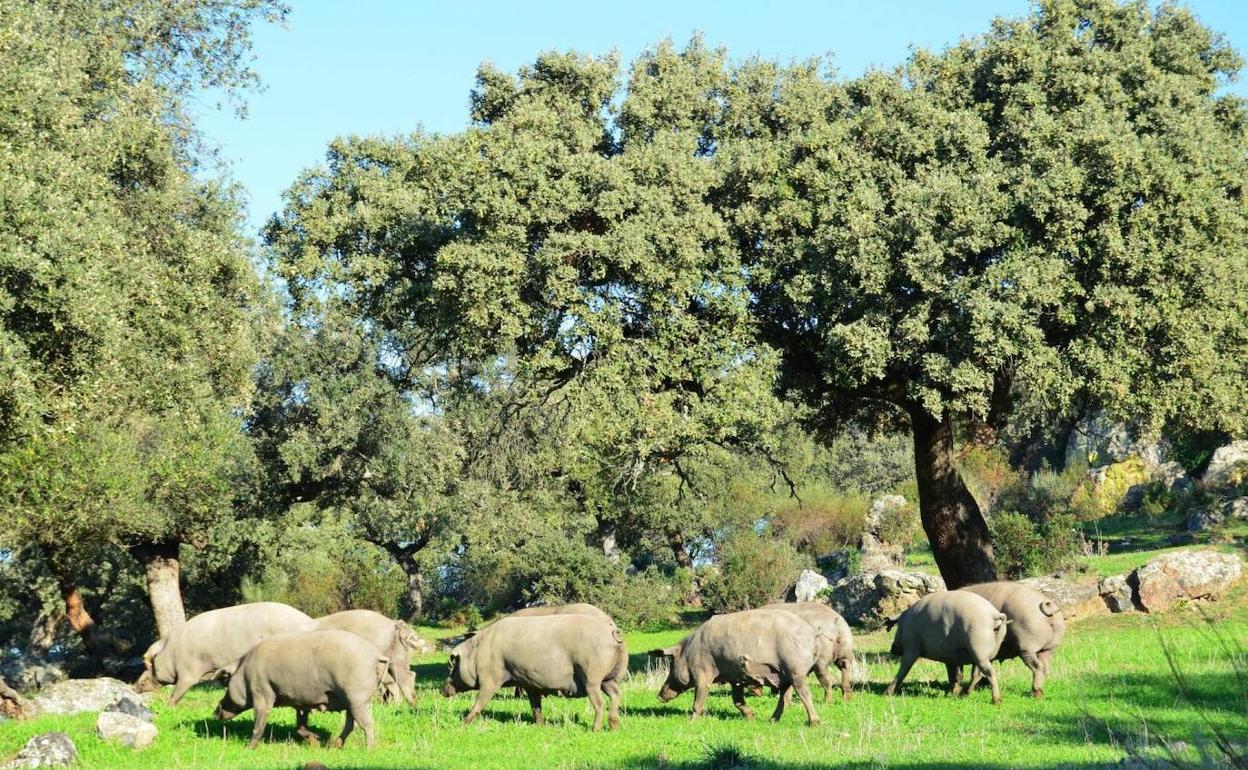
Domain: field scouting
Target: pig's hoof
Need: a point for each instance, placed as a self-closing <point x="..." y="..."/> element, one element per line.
<point x="996" y="701"/>
<point x="1037" y="693"/>
<point x="846" y="697"/>
<point x="747" y="713"/>
<point x="813" y="723"/>
<point x="613" y="723"/>
<point x="312" y="740"/>
<point x="336" y="743"/>
<point x="956" y="691"/>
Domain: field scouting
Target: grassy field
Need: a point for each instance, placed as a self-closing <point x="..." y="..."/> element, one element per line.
<point x="1110" y="684"/>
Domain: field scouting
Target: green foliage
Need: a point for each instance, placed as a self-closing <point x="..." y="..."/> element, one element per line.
<point x="1095" y="500"/>
<point x="322" y="570"/>
<point x="754" y="569"/>
<point x="902" y="526"/>
<point x="822" y="521"/>
<point x="1024" y="546"/>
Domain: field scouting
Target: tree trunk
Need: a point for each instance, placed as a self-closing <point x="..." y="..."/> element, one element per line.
<point x="43" y="631"/>
<point x="607" y="539"/>
<point x="160" y="561"/>
<point x="407" y="557"/>
<point x="676" y="541"/>
<point x="955" y="527"/>
<point x="75" y="610"/>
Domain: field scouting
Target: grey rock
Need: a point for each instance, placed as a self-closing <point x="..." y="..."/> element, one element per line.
<point x="1170" y="577"/>
<point x="1117" y="593"/>
<point x="1133" y="499"/>
<point x="1236" y="508"/>
<point x="131" y="731"/>
<point x="29" y="673"/>
<point x="869" y="598"/>
<point x="131" y="706"/>
<point x="1203" y="519"/>
<point x="1098" y="440"/>
<point x="881" y="508"/>
<point x="75" y="695"/>
<point x="808" y="586"/>
<point x="1228" y="463"/>
<point x="45" y="750"/>
<point x="1075" y="599"/>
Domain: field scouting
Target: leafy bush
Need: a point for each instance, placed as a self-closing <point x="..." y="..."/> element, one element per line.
<point x="823" y="520"/>
<point x="753" y="570"/>
<point x="1094" y="501"/>
<point x="1024" y="546"/>
<point x="989" y="476"/>
<point x="902" y="526"/>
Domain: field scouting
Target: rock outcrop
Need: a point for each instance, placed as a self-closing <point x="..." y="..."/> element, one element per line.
<point x="1184" y="575"/>
<point x="867" y="599"/>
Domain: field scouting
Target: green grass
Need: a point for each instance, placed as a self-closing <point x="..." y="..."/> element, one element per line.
<point x="1109" y="680"/>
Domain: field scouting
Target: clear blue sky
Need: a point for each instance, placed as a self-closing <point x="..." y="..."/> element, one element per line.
<point x="387" y="66"/>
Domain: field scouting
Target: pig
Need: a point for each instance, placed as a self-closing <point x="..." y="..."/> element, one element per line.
<point x="327" y="670"/>
<point x="571" y="655"/>
<point x="1036" y="626"/>
<point x="392" y="637"/>
<point x="833" y="641"/>
<point x="954" y="628"/>
<point x="744" y="649"/>
<point x="576" y="608"/>
<point x="212" y="642"/>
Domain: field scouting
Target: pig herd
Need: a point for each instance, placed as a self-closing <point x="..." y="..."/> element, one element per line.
<point x="274" y="655"/>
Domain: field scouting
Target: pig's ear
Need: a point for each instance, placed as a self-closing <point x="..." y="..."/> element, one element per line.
<point x="668" y="652"/>
<point x="890" y="622"/>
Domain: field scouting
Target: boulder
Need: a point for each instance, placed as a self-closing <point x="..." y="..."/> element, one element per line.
<point x="1203" y="519"/>
<point x="45" y="750"/>
<point x="132" y="731"/>
<point x="29" y="673"/>
<point x="13" y="705"/>
<point x="881" y="509"/>
<point x="1075" y="599"/>
<point x="869" y="598"/>
<point x="808" y="586"/>
<point x="1117" y="593"/>
<point x="75" y="695"/>
<point x="131" y="706"/>
<point x="1236" y="508"/>
<point x="1184" y="575"/>
<point x="419" y="645"/>
<point x="1173" y="476"/>
<point x="874" y="556"/>
<point x="1227" y="466"/>
<point x="1098" y="440"/>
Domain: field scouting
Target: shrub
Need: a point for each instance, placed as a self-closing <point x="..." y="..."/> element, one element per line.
<point x="988" y="475"/>
<point x="902" y="526"/>
<point x="1093" y="501"/>
<point x="823" y="520"/>
<point x="753" y="570"/>
<point x="1023" y="546"/>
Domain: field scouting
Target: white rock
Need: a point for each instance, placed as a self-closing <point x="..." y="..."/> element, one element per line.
<point x="1226" y="464"/>
<point x="132" y="731"/>
<point x="809" y="584"/>
<point x="75" y="695"/>
<point x="1185" y="575"/>
<point x="46" y="750"/>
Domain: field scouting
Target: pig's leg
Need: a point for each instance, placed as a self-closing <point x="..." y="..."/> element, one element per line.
<point x="955" y="678"/>
<point x="348" y="725"/>
<point x="976" y="677"/>
<point x="738" y="700"/>
<point x="483" y="697"/>
<point x="261" y="707"/>
<point x="593" y="690"/>
<point x="535" y="702"/>
<point x="612" y="688"/>
<point x="803" y="692"/>
<point x="846" y="687"/>
<point x="362" y="713"/>
<point x="990" y="674"/>
<point x="181" y="687"/>
<point x="781" y="701"/>
<point x="700" y="690"/>
<point x="302" y="729"/>
<point x="1038" y="670"/>
<point x="825" y="681"/>
<point x="907" y="662"/>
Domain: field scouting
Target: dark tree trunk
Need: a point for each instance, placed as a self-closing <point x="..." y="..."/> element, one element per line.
<point x="954" y="524"/>
<point x="164" y="592"/>
<point x="676" y="541"/>
<point x="75" y="609"/>
<point x="43" y="631"/>
<point x="407" y="556"/>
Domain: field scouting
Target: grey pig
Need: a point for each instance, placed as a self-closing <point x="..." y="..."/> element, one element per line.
<point x="571" y="655"/>
<point x="744" y="649"/>
<point x="834" y="642"/>
<point x="1036" y="626"/>
<point x="328" y="670"/>
<point x="392" y="637"/>
<point x="954" y="628"/>
<point x="212" y="642"/>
